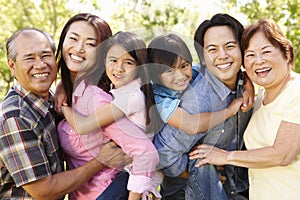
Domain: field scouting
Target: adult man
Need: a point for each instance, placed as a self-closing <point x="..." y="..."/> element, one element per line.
<point x="217" y="42"/>
<point x="30" y="158"/>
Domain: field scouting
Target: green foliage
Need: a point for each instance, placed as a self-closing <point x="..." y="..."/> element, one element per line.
<point x="284" y="12"/>
<point x="148" y="18"/>
<point x="48" y="15"/>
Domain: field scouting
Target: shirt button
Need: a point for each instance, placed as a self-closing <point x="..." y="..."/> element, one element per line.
<point x="222" y="131"/>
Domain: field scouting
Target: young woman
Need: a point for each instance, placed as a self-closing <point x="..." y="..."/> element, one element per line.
<point x="124" y="56"/>
<point x="76" y="55"/>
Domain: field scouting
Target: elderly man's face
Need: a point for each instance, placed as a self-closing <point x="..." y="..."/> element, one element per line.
<point x="35" y="67"/>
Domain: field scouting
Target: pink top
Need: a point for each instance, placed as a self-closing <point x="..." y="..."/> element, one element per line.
<point x="82" y="148"/>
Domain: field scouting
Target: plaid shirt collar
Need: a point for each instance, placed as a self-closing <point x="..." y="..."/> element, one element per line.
<point x="35" y="101"/>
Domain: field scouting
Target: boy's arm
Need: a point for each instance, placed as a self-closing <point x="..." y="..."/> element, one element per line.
<point x="103" y="116"/>
<point x="248" y="95"/>
<point x="200" y="122"/>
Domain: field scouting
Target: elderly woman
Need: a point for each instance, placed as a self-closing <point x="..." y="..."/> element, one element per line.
<point x="272" y="137"/>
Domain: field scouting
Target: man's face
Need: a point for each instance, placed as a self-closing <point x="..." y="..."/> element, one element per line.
<point x="35" y="67"/>
<point x="222" y="54"/>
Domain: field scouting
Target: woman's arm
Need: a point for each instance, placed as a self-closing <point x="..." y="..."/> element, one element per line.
<point x="284" y="150"/>
<point x="103" y="116"/>
<point x="200" y="122"/>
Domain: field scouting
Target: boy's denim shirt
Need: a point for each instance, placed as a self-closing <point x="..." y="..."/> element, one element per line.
<point x="207" y="94"/>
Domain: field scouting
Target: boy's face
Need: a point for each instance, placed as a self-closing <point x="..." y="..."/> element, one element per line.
<point x="179" y="76"/>
<point x="222" y="54"/>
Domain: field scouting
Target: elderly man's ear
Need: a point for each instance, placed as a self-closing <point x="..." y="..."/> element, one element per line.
<point x="11" y="65"/>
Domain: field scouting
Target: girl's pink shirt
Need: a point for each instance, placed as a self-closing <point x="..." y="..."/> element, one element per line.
<point x="82" y="148"/>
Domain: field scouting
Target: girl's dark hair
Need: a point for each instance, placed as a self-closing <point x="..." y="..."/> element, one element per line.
<point x="274" y="34"/>
<point x="136" y="47"/>
<point x="103" y="32"/>
<point x="217" y="20"/>
<point x="163" y="52"/>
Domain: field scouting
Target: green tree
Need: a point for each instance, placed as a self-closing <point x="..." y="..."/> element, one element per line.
<point x="284" y="12"/>
<point x="48" y="15"/>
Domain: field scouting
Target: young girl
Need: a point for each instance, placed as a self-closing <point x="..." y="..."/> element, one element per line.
<point x="124" y="56"/>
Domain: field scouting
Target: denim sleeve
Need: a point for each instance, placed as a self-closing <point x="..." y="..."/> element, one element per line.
<point x="173" y="146"/>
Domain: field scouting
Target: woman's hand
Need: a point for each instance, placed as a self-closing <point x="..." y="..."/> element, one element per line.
<point x="209" y="154"/>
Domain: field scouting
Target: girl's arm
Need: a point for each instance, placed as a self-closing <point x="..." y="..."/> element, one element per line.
<point x="60" y="97"/>
<point x="200" y="122"/>
<point x="284" y="150"/>
<point x="103" y="116"/>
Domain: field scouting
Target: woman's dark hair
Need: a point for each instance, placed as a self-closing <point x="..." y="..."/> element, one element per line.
<point x="217" y="20"/>
<point x="163" y="53"/>
<point x="274" y="34"/>
<point x="103" y="32"/>
<point x="136" y="47"/>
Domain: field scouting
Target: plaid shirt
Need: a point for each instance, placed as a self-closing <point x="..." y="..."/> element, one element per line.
<point x="29" y="148"/>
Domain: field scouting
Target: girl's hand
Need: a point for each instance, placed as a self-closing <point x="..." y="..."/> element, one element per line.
<point x="209" y="154"/>
<point x="60" y="97"/>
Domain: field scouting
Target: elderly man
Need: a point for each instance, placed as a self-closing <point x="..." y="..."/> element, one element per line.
<point x="30" y="158"/>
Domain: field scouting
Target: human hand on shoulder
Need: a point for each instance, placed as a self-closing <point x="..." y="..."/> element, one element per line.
<point x="60" y="97"/>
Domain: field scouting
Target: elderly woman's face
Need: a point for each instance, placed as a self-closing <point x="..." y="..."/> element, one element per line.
<point x="265" y="63"/>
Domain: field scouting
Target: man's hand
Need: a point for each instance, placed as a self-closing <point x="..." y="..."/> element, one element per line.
<point x="112" y="155"/>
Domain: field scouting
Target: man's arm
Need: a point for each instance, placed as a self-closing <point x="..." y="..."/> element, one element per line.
<point x="57" y="185"/>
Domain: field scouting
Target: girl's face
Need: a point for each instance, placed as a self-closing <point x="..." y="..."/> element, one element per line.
<point x="179" y="76"/>
<point x="120" y="66"/>
<point x="79" y="47"/>
<point x="265" y="63"/>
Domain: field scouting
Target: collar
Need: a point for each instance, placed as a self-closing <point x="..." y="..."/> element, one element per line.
<point x="136" y="83"/>
<point x="37" y="103"/>
<point x="164" y="91"/>
<point x="218" y="86"/>
<point x="80" y="88"/>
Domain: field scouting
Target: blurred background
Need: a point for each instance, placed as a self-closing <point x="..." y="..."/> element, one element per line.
<point x="147" y="18"/>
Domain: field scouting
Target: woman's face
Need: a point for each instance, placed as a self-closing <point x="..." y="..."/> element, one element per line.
<point x="79" y="47"/>
<point x="120" y="66"/>
<point x="179" y="76"/>
<point x="265" y="63"/>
